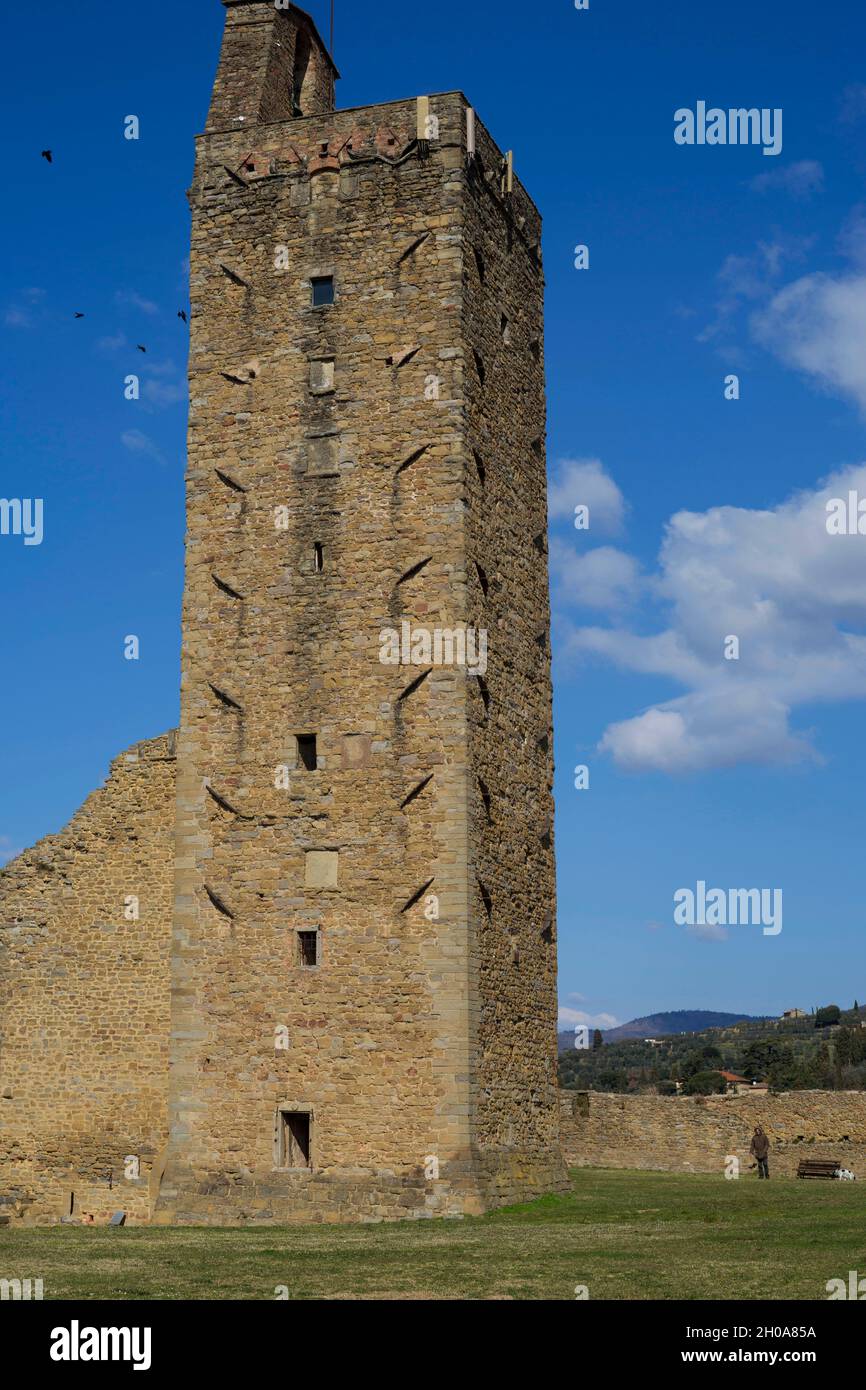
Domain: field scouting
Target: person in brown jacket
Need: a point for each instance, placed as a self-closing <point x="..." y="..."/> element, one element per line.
<point x="760" y="1147"/>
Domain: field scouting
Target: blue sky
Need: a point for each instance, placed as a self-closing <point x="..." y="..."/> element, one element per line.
<point x="706" y="514"/>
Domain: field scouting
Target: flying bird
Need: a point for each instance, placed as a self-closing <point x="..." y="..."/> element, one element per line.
<point x="79" y="316"/>
<point x="141" y="348"/>
<point x="182" y="315"/>
<point x="46" y="154"/>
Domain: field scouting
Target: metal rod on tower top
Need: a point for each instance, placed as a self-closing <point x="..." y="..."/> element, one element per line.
<point x="332" y="28"/>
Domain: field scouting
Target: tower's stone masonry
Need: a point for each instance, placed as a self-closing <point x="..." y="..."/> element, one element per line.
<point x="510" y="728"/>
<point x="363" y="976"/>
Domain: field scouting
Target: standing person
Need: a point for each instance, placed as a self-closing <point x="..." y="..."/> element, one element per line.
<point x="760" y="1147"/>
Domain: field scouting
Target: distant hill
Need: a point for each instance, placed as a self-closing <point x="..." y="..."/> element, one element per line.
<point x="655" y="1054"/>
<point x="665" y="1025"/>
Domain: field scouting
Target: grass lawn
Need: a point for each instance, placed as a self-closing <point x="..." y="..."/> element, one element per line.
<point x="624" y="1234"/>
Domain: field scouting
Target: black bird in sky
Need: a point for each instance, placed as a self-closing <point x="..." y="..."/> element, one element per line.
<point x="141" y="348"/>
<point x="182" y="315"/>
<point x="46" y="154"/>
<point x="78" y="316"/>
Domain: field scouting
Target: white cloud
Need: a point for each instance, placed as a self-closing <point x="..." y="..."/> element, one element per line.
<point x="818" y="324"/>
<point x="706" y="932"/>
<point x="852" y="237"/>
<point x="132" y="299"/>
<point x="708" y="728"/>
<point x="800" y="179"/>
<point x="605" y="578"/>
<point x="165" y="366"/>
<point x="112" y="343"/>
<point x="584" y="482"/>
<point x="744" y="280"/>
<point x="17" y="316"/>
<point x="852" y="106"/>
<point x="793" y="595"/>
<point x="139" y="443"/>
<point x="162" y="393"/>
<point x="570" y="1018"/>
<point x="8" y="850"/>
<point x="161" y="385"/>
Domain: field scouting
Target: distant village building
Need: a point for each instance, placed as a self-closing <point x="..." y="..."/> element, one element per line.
<point x="795" y="1013"/>
<point x="736" y="1085"/>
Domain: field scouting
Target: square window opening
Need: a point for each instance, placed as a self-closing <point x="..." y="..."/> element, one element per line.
<point x="323" y="290"/>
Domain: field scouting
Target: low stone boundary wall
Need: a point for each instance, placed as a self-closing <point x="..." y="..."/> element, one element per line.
<point x="698" y="1133"/>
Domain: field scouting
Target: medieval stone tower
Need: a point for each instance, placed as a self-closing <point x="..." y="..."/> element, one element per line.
<point x="363" y="954"/>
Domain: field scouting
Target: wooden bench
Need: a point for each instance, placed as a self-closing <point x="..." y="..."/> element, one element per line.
<point x="817" y="1168"/>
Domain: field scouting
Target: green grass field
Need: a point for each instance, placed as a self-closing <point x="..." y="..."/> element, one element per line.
<point x="626" y="1235"/>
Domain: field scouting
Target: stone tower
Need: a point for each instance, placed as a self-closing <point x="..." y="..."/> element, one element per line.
<point x="363" y="955"/>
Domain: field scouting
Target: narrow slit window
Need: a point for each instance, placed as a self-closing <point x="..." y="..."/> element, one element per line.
<point x="318" y="557"/>
<point x="308" y="949"/>
<point x="293" y="1139"/>
<point x="307" y="753"/>
<point x="323" y="290"/>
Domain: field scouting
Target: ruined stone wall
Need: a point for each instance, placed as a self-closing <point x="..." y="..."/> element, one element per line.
<point x="84" y="999"/>
<point x="510" y="711"/>
<point x="696" y="1133"/>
